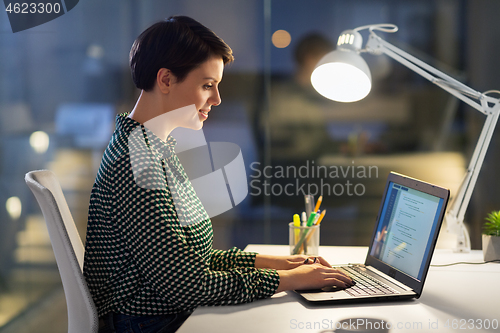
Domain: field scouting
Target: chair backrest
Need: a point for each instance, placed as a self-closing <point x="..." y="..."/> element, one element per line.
<point x="68" y="250"/>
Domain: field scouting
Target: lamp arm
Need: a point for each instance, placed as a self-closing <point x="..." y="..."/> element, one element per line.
<point x="485" y="104"/>
<point x="377" y="45"/>
<point x="457" y="207"/>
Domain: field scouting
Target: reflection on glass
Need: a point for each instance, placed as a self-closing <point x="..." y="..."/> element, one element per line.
<point x="14" y="207"/>
<point x="281" y="39"/>
<point x="39" y="141"/>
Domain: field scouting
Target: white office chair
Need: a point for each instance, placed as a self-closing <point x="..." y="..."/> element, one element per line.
<point x="68" y="250"/>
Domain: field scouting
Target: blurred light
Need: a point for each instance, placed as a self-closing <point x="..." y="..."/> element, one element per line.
<point x="39" y="141"/>
<point x="14" y="207"/>
<point x="95" y="51"/>
<point x="281" y="39"/>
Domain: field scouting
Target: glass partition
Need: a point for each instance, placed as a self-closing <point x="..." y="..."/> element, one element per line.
<point x="62" y="84"/>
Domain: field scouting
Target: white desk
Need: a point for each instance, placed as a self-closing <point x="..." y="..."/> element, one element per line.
<point x="450" y="294"/>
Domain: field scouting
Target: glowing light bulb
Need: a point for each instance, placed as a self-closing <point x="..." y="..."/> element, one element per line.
<point x="342" y="76"/>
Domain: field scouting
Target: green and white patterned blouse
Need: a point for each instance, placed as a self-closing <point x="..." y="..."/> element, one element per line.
<point x="140" y="258"/>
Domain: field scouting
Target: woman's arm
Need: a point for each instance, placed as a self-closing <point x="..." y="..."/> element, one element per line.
<point x="221" y="260"/>
<point x="285" y="262"/>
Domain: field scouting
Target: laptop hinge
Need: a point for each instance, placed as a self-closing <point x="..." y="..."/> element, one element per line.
<point x="387" y="277"/>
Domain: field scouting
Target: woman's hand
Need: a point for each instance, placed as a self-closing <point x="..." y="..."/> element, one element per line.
<point x="303" y="272"/>
<point x="312" y="276"/>
<point x="286" y="262"/>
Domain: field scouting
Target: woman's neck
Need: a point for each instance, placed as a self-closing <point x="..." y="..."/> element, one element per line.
<point x="149" y="111"/>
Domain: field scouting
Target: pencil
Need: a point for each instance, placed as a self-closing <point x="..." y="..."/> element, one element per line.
<point x="318" y="203"/>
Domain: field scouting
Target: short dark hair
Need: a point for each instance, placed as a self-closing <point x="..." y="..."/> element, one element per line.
<point x="179" y="44"/>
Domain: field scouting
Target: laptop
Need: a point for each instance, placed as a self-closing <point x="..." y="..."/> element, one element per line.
<point x="400" y="252"/>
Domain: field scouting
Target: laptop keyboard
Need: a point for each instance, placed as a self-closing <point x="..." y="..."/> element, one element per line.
<point x="365" y="284"/>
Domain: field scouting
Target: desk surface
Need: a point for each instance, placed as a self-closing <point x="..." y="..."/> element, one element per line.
<point x="451" y="297"/>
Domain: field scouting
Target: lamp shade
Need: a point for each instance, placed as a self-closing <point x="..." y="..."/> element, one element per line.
<point x="342" y="76"/>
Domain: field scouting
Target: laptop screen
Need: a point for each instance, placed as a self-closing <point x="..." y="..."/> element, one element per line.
<point x="403" y="237"/>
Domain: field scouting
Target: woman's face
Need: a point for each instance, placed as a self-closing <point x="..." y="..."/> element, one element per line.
<point x="200" y="88"/>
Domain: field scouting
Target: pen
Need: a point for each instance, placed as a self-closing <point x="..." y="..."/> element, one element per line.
<point x="304" y="219"/>
<point x="316" y="218"/>
<point x="309" y="201"/>
<point x="320" y="218"/>
<point x="303" y="238"/>
<point x="300" y="243"/>
<point x="310" y="222"/>
<point x="311" y="219"/>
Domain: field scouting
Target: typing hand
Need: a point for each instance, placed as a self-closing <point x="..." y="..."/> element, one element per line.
<point x="313" y="276"/>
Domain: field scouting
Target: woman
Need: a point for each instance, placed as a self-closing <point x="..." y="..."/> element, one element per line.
<point x="149" y="260"/>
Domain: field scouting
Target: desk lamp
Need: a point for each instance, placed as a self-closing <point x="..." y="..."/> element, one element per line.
<point x="343" y="76"/>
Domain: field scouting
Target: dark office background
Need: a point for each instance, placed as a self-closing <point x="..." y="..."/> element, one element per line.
<point x="62" y="83"/>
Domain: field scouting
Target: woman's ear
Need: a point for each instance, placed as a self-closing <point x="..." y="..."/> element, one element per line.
<point x="164" y="80"/>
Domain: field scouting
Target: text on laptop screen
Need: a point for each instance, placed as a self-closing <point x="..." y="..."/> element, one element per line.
<point x="407" y="220"/>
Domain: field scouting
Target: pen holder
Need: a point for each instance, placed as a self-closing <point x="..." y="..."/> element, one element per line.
<point x="303" y="240"/>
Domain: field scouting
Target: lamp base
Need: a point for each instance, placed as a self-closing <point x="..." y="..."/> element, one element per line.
<point x="454" y="226"/>
<point x="463" y="241"/>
